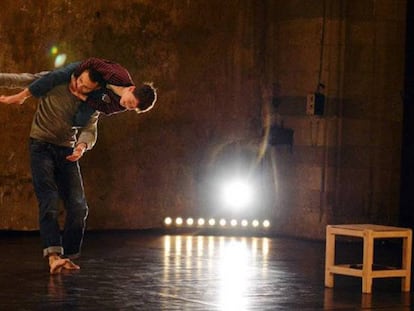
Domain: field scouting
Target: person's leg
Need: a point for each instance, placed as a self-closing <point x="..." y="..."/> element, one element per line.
<point x="43" y="167"/>
<point x="72" y="192"/>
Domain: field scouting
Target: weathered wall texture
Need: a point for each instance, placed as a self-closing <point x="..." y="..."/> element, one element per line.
<point x="218" y="66"/>
<point x="345" y="166"/>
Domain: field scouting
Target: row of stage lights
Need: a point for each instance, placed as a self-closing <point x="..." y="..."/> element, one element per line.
<point x="201" y="222"/>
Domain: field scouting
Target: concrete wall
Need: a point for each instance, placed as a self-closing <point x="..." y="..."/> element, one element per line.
<point x="218" y="67"/>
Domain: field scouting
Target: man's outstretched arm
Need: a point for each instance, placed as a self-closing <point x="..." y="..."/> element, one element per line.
<point x="36" y="85"/>
<point x="20" y="81"/>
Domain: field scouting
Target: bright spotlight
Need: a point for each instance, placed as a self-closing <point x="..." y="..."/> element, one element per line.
<point x="201" y="221"/>
<point x="211" y="221"/>
<point x="244" y="223"/>
<point x="178" y="221"/>
<point x="222" y="222"/>
<point x="168" y="221"/>
<point x="255" y="223"/>
<point x="190" y="221"/>
<point x="233" y="222"/>
<point x="237" y="193"/>
<point x="266" y="223"/>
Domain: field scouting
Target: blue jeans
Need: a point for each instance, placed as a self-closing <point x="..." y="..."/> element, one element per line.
<point x="55" y="179"/>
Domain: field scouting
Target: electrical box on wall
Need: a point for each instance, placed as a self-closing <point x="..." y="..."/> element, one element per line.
<point x="310" y="104"/>
<point x="315" y="104"/>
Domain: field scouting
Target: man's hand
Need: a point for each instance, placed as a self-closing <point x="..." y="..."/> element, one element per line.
<point x="77" y="153"/>
<point x="16" y="99"/>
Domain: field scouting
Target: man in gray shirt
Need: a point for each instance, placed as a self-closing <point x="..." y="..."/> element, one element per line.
<point x="55" y="148"/>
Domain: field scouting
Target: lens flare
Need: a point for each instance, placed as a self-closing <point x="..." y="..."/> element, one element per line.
<point x="54" y="50"/>
<point x="60" y="60"/>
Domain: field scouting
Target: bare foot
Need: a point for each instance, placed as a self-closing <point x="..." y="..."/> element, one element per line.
<point x="70" y="265"/>
<point x="56" y="264"/>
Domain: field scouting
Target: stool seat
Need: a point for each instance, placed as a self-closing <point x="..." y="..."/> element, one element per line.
<point x="368" y="270"/>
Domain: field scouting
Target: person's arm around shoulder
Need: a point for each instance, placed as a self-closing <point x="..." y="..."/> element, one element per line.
<point x="18" y="80"/>
<point x="41" y="86"/>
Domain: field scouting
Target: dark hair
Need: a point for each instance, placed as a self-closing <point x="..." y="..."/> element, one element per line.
<point x="147" y="96"/>
<point x="96" y="77"/>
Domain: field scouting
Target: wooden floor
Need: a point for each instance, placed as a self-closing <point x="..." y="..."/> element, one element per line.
<point x="156" y="271"/>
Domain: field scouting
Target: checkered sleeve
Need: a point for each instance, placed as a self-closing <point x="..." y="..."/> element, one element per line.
<point x="112" y="72"/>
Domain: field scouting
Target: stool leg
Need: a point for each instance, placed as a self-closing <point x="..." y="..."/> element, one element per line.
<point x="406" y="263"/>
<point x="329" y="257"/>
<point x="367" y="262"/>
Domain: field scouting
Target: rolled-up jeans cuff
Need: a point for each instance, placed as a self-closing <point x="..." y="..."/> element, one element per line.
<point x="52" y="250"/>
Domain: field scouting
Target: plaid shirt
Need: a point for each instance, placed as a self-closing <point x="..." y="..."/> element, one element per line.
<point x="111" y="72"/>
<point x="104" y="99"/>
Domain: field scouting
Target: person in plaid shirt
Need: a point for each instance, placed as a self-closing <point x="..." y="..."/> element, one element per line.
<point x="117" y="91"/>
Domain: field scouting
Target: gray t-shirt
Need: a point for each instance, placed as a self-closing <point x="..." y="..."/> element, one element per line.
<point x="52" y="121"/>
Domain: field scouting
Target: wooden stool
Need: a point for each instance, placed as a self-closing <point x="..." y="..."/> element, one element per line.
<point x="368" y="233"/>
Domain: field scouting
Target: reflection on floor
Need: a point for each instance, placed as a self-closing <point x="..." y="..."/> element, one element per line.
<point x="153" y="271"/>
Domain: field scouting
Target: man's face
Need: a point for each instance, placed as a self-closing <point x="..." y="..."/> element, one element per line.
<point x="128" y="99"/>
<point x="84" y="84"/>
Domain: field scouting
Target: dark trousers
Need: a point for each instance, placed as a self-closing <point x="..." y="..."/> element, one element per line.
<point x="56" y="179"/>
